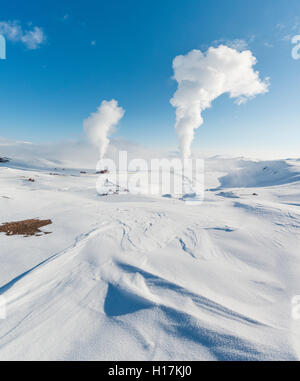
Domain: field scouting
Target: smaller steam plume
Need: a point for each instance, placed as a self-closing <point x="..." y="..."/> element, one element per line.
<point x="100" y="124"/>
<point x="203" y="77"/>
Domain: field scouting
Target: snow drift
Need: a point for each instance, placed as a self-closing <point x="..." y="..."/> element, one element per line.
<point x="128" y="277"/>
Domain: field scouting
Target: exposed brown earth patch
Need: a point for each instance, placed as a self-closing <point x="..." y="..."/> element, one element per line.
<point x="27" y="227"/>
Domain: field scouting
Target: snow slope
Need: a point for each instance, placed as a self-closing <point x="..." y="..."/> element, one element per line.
<point x="139" y="277"/>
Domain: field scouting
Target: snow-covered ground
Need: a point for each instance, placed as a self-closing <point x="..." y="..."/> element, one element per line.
<point x="145" y="277"/>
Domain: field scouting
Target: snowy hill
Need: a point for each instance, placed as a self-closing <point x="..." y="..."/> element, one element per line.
<point x="141" y="277"/>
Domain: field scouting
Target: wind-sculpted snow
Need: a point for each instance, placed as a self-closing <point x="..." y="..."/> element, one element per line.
<point x="127" y="277"/>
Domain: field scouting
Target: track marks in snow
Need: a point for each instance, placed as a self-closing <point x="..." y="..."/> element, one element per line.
<point x="144" y="231"/>
<point x="78" y="243"/>
<point x="274" y="213"/>
<point x="185" y="248"/>
<point x="199" y="241"/>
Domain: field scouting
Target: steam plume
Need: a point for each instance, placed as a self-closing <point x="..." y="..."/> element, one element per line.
<point x="203" y="77"/>
<point x="99" y="125"/>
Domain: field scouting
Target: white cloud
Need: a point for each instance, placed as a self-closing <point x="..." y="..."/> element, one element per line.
<point x="268" y="44"/>
<point x="203" y="77"/>
<point x="287" y="37"/>
<point x="237" y="43"/>
<point x="31" y="38"/>
<point x="285" y="32"/>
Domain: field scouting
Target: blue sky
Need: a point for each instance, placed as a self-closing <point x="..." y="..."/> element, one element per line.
<point x="123" y="49"/>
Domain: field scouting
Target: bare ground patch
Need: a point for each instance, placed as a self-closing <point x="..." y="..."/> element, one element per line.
<point x="26" y="227"/>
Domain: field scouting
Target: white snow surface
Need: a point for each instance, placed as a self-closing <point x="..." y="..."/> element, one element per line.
<point x="145" y="277"/>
